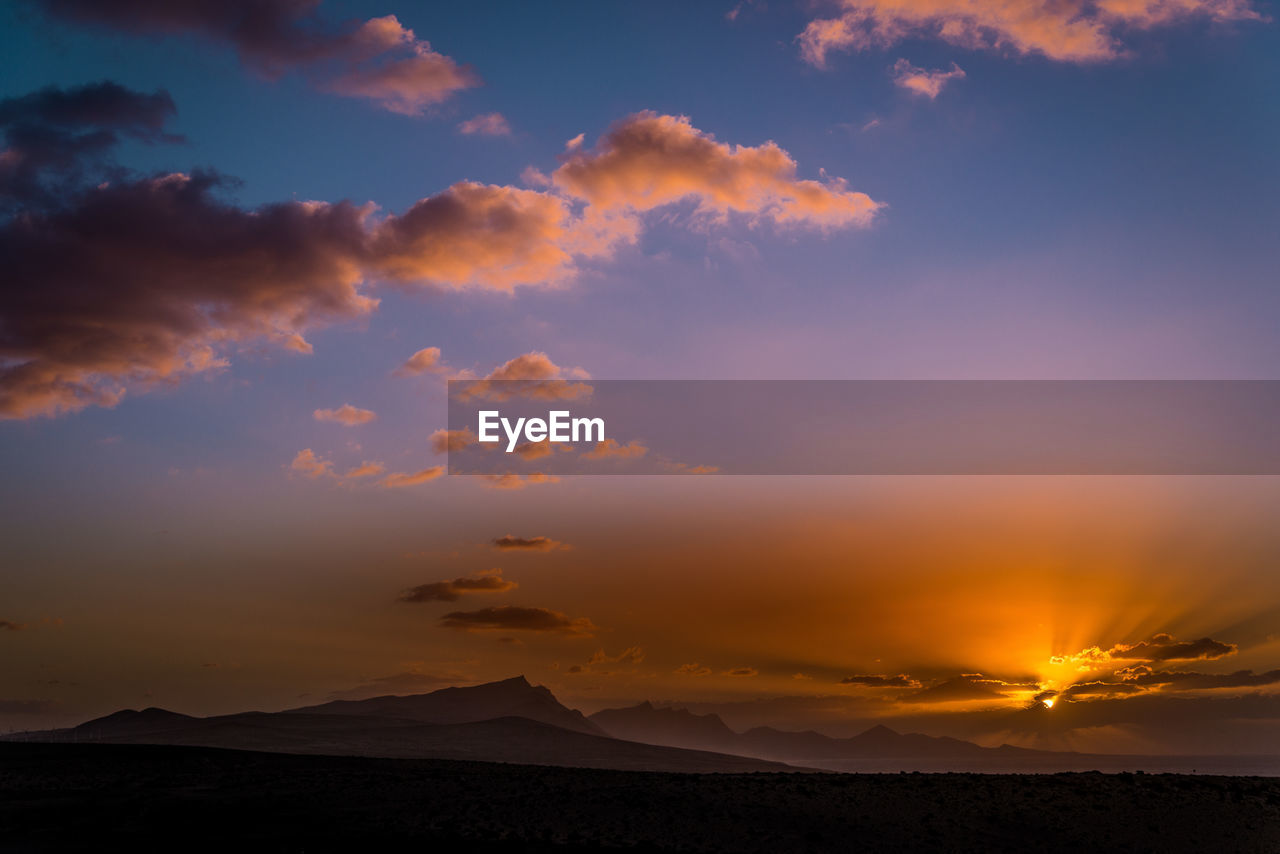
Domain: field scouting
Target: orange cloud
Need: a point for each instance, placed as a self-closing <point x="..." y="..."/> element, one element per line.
<point x="515" y="618"/>
<point x="11" y="626"/>
<point x="693" y="669"/>
<point x="486" y="236"/>
<point x="306" y="462"/>
<point x="346" y="415"/>
<point x="365" y="469"/>
<point x="1070" y="31"/>
<point x="742" y="671"/>
<point x="541" y="379"/>
<point x="451" y="591"/>
<point x="425" y="360"/>
<point x="402" y="479"/>
<point x="649" y="160"/>
<point x="488" y="124"/>
<point x="923" y="82"/>
<point x="444" y="441"/>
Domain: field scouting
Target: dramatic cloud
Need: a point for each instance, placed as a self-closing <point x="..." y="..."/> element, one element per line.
<point x="489" y="124"/>
<point x="1190" y="681"/>
<point x="485" y="236"/>
<point x="379" y="59"/>
<point x="536" y="544"/>
<point x="899" y="681"/>
<point x="649" y="160"/>
<point x="402" y="479"/>
<point x="444" y="441"/>
<point x="610" y="449"/>
<point x="924" y="82"/>
<point x="51" y="135"/>
<point x="969" y="686"/>
<point x="1161" y="647"/>
<point x="515" y="618"/>
<point x="426" y="360"/>
<point x="313" y="466"/>
<point x="131" y="282"/>
<point x="450" y="591"/>
<point x="1099" y="689"/>
<point x="346" y="415"/>
<point x="540" y="379"/>
<point x="152" y="280"/>
<point x="1067" y="31"/>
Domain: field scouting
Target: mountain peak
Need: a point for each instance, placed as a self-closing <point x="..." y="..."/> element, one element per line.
<point x="515" y="682"/>
<point x="879" y="731"/>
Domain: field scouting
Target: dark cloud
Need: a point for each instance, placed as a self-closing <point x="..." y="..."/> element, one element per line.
<point x="539" y="544"/>
<point x="150" y="280"/>
<point x="968" y="686"/>
<point x="379" y="59"/>
<point x="1143" y="675"/>
<point x="451" y="591"/>
<point x="899" y="681"/>
<point x="1161" y="647"/>
<point x="515" y="618"/>
<point x="11" y="626"/>
<point x="54" y="136"/>
<point x="1099" y="688"/>
<point x="1164" y="647"/>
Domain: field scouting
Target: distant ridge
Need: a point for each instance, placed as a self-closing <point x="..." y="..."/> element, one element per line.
<point x="680" y="727"/>
<point x="510" y="721"/>
<point x="514" y="697"/>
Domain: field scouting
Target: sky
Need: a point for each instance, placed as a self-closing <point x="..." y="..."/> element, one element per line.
<point x="246" y="245"/>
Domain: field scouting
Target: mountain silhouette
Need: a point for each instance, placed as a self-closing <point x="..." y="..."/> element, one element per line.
<point x="680" y="727"/>
<point x="514" y="697"/>
<point x="509" y="721"/>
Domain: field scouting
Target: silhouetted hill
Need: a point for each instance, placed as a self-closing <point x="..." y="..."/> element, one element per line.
<point x="445" y="727"/>
<point x="513" y="697"/>
<point x="880" y="744"/>
<point x="671" y="726"/>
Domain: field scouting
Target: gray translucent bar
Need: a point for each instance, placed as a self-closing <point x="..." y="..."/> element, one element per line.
<point x="838" y="427"/>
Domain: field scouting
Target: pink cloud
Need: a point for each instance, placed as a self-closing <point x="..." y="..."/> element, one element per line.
<point x="346" y="415"/>
<point x="923" y="82"/>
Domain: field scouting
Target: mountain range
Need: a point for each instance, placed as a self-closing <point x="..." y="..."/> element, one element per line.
<point x="516" y="722"/>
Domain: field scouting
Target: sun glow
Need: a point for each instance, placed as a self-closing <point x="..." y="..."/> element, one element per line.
<point x="1048" y="702"/>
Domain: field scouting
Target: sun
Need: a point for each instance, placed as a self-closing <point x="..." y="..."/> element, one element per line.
<point x="1049" y="701"/>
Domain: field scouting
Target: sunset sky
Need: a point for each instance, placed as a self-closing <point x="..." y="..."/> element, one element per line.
<point x="245" y="244"/>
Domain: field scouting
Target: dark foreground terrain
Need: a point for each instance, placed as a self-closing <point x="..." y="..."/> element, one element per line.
<point x="56" y="797"/>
